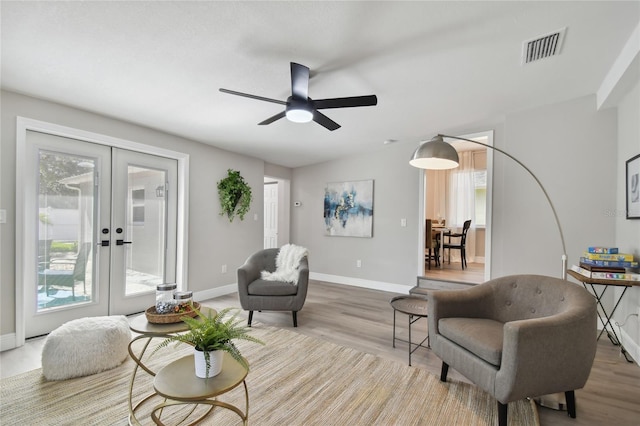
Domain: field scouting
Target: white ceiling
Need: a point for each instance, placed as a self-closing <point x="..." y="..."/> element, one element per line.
<point x="434" y="66"/>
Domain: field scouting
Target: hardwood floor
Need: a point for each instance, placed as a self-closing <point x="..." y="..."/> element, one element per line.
<point x="363" y="319"/>
<point x="473" y="273"/>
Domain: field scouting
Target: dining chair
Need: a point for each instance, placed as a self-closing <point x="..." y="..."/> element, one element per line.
<point x="461" y="245"/>
<point x="432" y="245"/>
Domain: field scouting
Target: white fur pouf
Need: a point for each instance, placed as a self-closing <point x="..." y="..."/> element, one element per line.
<point x="85" y="346"/>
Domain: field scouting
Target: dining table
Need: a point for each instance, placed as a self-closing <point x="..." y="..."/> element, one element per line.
<point x="443" y="231"/>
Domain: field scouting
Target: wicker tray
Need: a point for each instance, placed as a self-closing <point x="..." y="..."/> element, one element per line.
<point x="156" y="318"/>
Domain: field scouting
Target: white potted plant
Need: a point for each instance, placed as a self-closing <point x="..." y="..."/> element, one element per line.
<point x="211" y="336"/>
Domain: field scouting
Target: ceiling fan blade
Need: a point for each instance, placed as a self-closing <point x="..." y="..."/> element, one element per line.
<point x="272" y="119"/>
<point x="353" y="101"/>
<point x="299" y="81"/>
<point x="247" y="95"/>
<point x="325" y="121"/>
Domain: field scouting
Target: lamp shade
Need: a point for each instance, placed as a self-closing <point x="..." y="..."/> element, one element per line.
<point x="435" y="154"/>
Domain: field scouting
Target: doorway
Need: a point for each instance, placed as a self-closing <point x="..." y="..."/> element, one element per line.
<point x="451" y="198"/>
<point x="270" y="214"/>
<point x="276" y="211"/>
<point x="99" y="231"/>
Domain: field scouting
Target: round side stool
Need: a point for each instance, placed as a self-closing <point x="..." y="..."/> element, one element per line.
<point x="415" y="308"/>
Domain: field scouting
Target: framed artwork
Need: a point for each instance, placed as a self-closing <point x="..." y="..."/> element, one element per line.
<point x="348" y="209"/>
<point x="633" y="187"/>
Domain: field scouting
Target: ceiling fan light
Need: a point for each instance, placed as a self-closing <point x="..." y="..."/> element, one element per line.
<point x="435" y="154"/>
<point x="299" y="115"/>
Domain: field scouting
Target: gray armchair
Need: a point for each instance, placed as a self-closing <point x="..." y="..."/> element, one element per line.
<point x="516" y="336"/>
<point x="257" y="294"/>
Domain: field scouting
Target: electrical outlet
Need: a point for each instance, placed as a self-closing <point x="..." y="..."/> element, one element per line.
<point x="224" y="269"/>
<point x="358" y="263"/>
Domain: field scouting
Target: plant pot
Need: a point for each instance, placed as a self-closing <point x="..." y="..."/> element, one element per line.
<point x="215" y="363"/>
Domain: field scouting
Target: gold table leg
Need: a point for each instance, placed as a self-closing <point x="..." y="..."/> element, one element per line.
<point x="133" y="421"/>
<point x="212" y="402"/>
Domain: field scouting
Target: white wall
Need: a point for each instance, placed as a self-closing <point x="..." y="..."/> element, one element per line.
<point x="212" y="240"/>
<point x="391" y="255"/>
<point x="627" y="235"/>
<point x="525" y="238"/>
<point x="571" y="147"/>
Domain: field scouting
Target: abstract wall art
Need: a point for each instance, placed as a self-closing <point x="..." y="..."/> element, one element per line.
<point x="348" y="209"/>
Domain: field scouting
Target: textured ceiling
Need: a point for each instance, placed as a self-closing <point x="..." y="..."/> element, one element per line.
<point x="434" y="66"/>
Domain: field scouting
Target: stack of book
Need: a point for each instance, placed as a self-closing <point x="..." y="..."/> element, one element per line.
<point x="607" y="263"/>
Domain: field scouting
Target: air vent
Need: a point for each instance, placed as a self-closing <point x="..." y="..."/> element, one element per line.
<point x="542" y="47"/>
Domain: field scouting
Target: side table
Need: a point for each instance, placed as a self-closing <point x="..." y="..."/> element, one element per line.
<point x="177" y="382"/>
<point x="415" y="308"/>
<point x="608" y="327"/>
<point x="149" y="331"/>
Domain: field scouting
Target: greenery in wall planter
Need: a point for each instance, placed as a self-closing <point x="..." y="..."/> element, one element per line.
<point x="235" y="195"/>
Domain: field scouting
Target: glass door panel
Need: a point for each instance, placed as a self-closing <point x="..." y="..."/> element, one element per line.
<point x="67" y="188"/>
<point x="146" y="223"/>
<point x="66" y="220"/>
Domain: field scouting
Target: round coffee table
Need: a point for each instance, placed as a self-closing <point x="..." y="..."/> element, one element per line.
<point x="415" y="308"/>
<point x="177" y="382"/>
<point x="146" y="330"/>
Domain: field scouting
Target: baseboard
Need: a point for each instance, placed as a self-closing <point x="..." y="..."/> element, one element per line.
<point x="215" y="292"/>
<point x="7" y="341"/>
<point x="335" y="279"/>
<point x="358" y="282"/>
<point x="632" y="348"/>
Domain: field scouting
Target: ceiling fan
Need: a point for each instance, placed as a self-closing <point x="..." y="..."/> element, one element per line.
<point x="300" y="108"/>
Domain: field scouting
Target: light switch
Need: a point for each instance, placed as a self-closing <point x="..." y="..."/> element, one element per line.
<point x="3" y="216"/>
<point x="403" y="222"/>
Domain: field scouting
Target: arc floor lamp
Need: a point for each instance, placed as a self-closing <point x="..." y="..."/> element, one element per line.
<point x="436" y="154"/>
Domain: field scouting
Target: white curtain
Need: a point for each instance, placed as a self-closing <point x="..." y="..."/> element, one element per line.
<point x="436" y="194"/>
<point x="461" y="204"/>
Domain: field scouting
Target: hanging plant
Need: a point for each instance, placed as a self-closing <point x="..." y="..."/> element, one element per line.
<point x="235" y="195"/>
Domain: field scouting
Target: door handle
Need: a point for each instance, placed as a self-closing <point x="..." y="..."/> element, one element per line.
<point x="104" y="243"/>
<point x="122" y="242"/>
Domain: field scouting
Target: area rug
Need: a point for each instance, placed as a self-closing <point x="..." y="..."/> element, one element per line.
<point x="294" y="380"/>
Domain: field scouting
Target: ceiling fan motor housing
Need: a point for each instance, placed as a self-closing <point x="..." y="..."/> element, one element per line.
<point x="299" y="110"/>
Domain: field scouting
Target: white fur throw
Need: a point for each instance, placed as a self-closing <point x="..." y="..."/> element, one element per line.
<point x="287" y="263"/>
<point x="85" y="346"/>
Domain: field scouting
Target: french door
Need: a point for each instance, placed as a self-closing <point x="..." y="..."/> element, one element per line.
<point x="103" y="230"/>
<point x="143" y="229"/>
